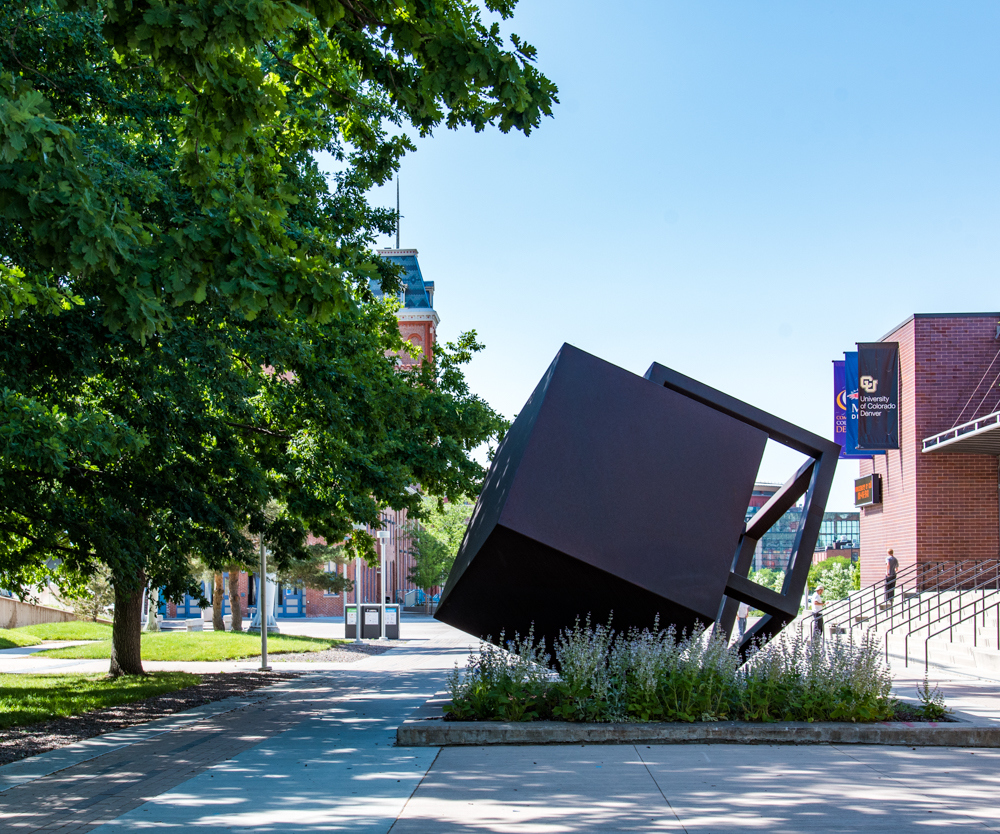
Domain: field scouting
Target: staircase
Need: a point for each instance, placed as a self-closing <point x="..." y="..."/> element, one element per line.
<point x="943" y="613"/>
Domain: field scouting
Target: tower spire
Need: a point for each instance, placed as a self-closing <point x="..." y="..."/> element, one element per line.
<point x="397" y="211"/>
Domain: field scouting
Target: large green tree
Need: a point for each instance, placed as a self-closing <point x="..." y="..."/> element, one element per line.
<point x="148" y="144"/>
<point x="187" y="324"/>
<point x="436" y="538"/>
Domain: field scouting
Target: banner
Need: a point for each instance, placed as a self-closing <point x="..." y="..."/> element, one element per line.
<point x="878" y="401"/>
<point x="852" y="397"/>
<point x="840" y="409"/>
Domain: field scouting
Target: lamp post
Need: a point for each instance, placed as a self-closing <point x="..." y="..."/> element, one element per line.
<point x="383" y="536"/>
<point x="262" y="607"/>
<point x="357" y="593"/>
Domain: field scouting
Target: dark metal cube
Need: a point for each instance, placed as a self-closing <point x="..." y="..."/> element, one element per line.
<point x="610" y="493"/>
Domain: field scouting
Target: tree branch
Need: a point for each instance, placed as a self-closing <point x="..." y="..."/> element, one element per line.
<point x="258" y="430"/>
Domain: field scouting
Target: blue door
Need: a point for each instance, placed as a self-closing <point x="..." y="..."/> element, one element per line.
<point x="291" y="601"/>
<point x="189" y="607"/>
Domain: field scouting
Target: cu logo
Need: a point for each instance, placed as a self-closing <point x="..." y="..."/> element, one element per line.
<point x="869" y="384"/>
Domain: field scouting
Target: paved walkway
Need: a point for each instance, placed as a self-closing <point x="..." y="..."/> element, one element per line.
<point x="316" y="754"/>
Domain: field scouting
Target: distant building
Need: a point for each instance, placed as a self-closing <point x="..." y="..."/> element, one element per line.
<point x="839" y="531"/>
<point x="418" y="320"/>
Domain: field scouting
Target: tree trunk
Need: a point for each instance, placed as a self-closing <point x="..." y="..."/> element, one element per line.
<point x="154" y="605"/>
<point x="235" y="603"/>
<point x="126" y="632"/>
<point x="217" y="592"/>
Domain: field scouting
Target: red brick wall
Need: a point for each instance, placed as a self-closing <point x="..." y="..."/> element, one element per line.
<point x="420" y="333"/>
<point x="936" y="506"/>
<point x="957" y="494"/>
<point x="319" y="604"/>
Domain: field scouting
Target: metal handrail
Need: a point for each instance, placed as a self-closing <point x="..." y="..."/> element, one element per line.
<point x="951" y="625"/>
<point x="982" y="585"/>
<point x="871" y="607"/>
<point x="957" y="578"/>
<point x="835" y="608"/>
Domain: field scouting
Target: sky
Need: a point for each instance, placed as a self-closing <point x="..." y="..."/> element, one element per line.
<point x="739" y="191"/>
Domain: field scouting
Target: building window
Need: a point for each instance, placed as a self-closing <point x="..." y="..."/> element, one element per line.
<point x="331" y="567"/>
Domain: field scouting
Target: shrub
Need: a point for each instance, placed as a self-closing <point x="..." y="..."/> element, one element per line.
<point x="837" y="583"/>
<point x="818" y="572"/>
<point x="769" y="578"/>
<point x="658" y="675"/>
<point x="503" y="684"/>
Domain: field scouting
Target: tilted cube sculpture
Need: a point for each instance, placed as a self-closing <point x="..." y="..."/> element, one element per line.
<point x="617" y="493"/>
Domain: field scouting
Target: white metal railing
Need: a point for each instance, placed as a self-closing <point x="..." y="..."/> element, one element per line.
<point x="990" y="420"/>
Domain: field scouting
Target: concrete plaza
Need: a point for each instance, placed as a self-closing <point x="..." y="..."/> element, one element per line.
<point x="317" y="754"/>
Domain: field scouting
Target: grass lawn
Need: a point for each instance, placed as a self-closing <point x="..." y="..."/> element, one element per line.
<point x="200" y="645"/>
<point x="33" y="635"/>
<point x="27" y="699"/>
<point x="11" y="638"/>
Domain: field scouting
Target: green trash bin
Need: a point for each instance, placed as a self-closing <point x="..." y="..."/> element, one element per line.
<point x="351" y="621"/>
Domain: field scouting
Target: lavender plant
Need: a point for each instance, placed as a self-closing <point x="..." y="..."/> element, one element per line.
<point x="599" y="674"/>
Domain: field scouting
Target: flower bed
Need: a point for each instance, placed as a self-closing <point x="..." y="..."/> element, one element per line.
<point x="599" y="675"/>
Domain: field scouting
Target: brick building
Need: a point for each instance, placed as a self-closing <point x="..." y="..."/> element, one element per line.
<point x="939" y="491"/>
<point x="418" y="323"/>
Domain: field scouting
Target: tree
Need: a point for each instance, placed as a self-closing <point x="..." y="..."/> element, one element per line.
<point x="314" y="416"/>
<point x="94" y="596"/>
<point x="769" y="578"/>
<point x="311" y="571"/>
<point x="235" y="603"/>
<point x="146" y="145"/>
<point x="436" y="539"/>
<point x="218" y="597"/>
<point x="187" y="325"/>
<point x="818" y="573"/>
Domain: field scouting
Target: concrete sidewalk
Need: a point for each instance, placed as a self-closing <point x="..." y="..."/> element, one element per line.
<point x="316" y="754"/>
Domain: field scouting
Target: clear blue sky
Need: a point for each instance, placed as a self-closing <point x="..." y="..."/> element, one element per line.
<point x="738" y="190"/>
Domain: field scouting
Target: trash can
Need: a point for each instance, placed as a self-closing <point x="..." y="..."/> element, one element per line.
<point x="392" y="615"/>
<point x="371" y="624"/>
<point x="351" y="621"/>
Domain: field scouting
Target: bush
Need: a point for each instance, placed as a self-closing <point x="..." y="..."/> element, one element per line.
<point x="769" y="578"/>
<point x="658" y="675"/>
<point x="818" y="572"/>
<point x="837" y="583"/>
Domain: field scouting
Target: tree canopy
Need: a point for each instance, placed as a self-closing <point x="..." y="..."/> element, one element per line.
<point x="190" y="322"/>
<point x="436" y="538"/>
<point x="150" y="148"/>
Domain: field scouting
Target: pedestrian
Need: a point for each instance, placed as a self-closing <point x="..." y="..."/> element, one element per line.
<point x="891" y="566"/>
<point x="741" y="619"/>
<point x="816" y="606"/>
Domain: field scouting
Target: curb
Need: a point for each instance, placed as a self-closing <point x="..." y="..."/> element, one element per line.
<point x="424" y="731"/>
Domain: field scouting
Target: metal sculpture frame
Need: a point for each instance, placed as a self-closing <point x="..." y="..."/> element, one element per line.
<point x="813" y="480"/>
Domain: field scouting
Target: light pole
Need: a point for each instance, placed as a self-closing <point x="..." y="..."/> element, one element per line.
<point x="383" y="536"/>
<point x="262" y="603"/>
<point x="357" y="593"/>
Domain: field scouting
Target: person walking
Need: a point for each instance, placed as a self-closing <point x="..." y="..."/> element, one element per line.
<point x="891" y="566"/>
<point x="741" y="619"/>
<point x="816" y="606"/>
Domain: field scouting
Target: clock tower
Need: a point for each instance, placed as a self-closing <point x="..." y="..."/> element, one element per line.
<point x="418" y="320"/>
